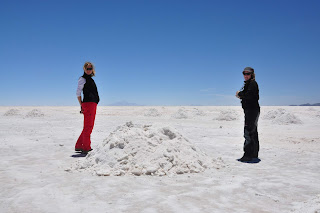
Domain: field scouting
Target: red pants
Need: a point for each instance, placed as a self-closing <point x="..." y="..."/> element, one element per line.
<point x="89" y="112"/>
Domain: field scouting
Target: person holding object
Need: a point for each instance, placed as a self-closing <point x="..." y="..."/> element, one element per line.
<point x="88" y="106"/>
<point x="249" y="96"/>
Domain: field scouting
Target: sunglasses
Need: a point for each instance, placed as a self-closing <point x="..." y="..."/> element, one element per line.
<point x="246" y="73"/>
<point x="89" y="68"/>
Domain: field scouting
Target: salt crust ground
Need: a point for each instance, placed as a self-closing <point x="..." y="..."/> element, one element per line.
<point x="37" y="150"/>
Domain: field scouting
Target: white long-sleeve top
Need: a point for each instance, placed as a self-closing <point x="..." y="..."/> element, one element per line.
<point x="81" y="83"/>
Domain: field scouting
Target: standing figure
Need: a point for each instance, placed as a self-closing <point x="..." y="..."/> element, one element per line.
<point x="88" y="106"/>
<point x="249" y="96"/>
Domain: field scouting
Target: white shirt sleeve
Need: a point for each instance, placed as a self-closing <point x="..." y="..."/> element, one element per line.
<point x="81" y="83"/>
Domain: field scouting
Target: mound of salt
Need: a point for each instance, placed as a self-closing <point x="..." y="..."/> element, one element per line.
<point x="227" y="115"/>
<point x="311" y="109"/>
<point x="146" y="150"/>
<point x="198" y="112"/>
<point x="272" y="114"/>
<point x="35" y="113"/>
<point x="282" y="117"/>
<point x="152" y="113"/>
<point x="12" y="112"/>
<point x="180" y="114"/>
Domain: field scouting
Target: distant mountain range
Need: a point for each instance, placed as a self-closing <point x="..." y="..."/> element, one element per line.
<point x="317" y="104"/>
<point x="124" y="103"/>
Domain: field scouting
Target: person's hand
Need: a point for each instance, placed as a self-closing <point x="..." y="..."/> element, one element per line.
<point x="81" y="110"/>
<point x="237" y="94"/>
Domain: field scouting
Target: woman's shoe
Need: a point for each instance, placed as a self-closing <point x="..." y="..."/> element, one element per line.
<point x="86" y="151"/>
<point x="245" y="159"/>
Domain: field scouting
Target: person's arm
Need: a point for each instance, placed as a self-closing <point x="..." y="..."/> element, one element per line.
<point x="237" y="94"/>
<point x="79" y="99"/>
<point x="81" y="83"/>
<point x="240" y="94"/>
<point x="80" y="102"/>
<point x="251" y="93"/>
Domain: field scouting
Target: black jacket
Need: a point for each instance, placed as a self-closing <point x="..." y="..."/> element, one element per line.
<point x="250" y="95"/>
<point x="90" y="91"/>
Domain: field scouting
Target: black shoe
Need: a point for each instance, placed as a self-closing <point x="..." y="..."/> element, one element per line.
<point x="245" y="159"/>
<point x="78" y="150"/>
<point x="86" y="151"/>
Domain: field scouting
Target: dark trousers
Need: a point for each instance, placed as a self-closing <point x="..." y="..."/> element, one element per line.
<point x="89" y="112"/>
<point x="251" y="144"/>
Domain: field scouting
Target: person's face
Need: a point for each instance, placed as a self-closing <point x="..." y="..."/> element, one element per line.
<point x="89" y="69"/>
<point x="246" y="75"/>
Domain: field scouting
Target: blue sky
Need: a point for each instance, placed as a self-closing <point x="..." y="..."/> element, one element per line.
<point x="160" y="52"/>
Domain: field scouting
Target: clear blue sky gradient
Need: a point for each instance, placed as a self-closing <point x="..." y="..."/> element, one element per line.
<point x="160" y="52"/>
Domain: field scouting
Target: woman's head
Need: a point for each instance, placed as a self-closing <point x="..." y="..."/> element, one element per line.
<point x="248" y="73"/>
<point x="88" y="68"/>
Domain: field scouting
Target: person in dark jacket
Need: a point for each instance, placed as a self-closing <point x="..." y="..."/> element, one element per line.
<point x="88" y="106"/>
<point x="249" y="96"/>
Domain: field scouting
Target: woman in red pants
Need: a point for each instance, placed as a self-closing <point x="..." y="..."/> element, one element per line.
<point x="88" y="106"/>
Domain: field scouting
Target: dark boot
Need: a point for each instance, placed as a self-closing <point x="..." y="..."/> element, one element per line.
<point x="86" y="151"/>
<point x="245" y="159"/>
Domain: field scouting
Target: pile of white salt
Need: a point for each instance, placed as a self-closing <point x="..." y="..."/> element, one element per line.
<point x="282" y="117"/>
<point x="134" y="149"/>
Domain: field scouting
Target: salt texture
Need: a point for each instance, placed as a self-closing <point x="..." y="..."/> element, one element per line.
<point x="180" y="114"/>
<point x="35" y="113"/>
<point x="12" y="112"/>
<point x="227" y="115"/>
<point x="282" y="117"/>
<point x="134" y="149"/>
<point x="310" y="205"/>
<point x="152" y="113"/>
